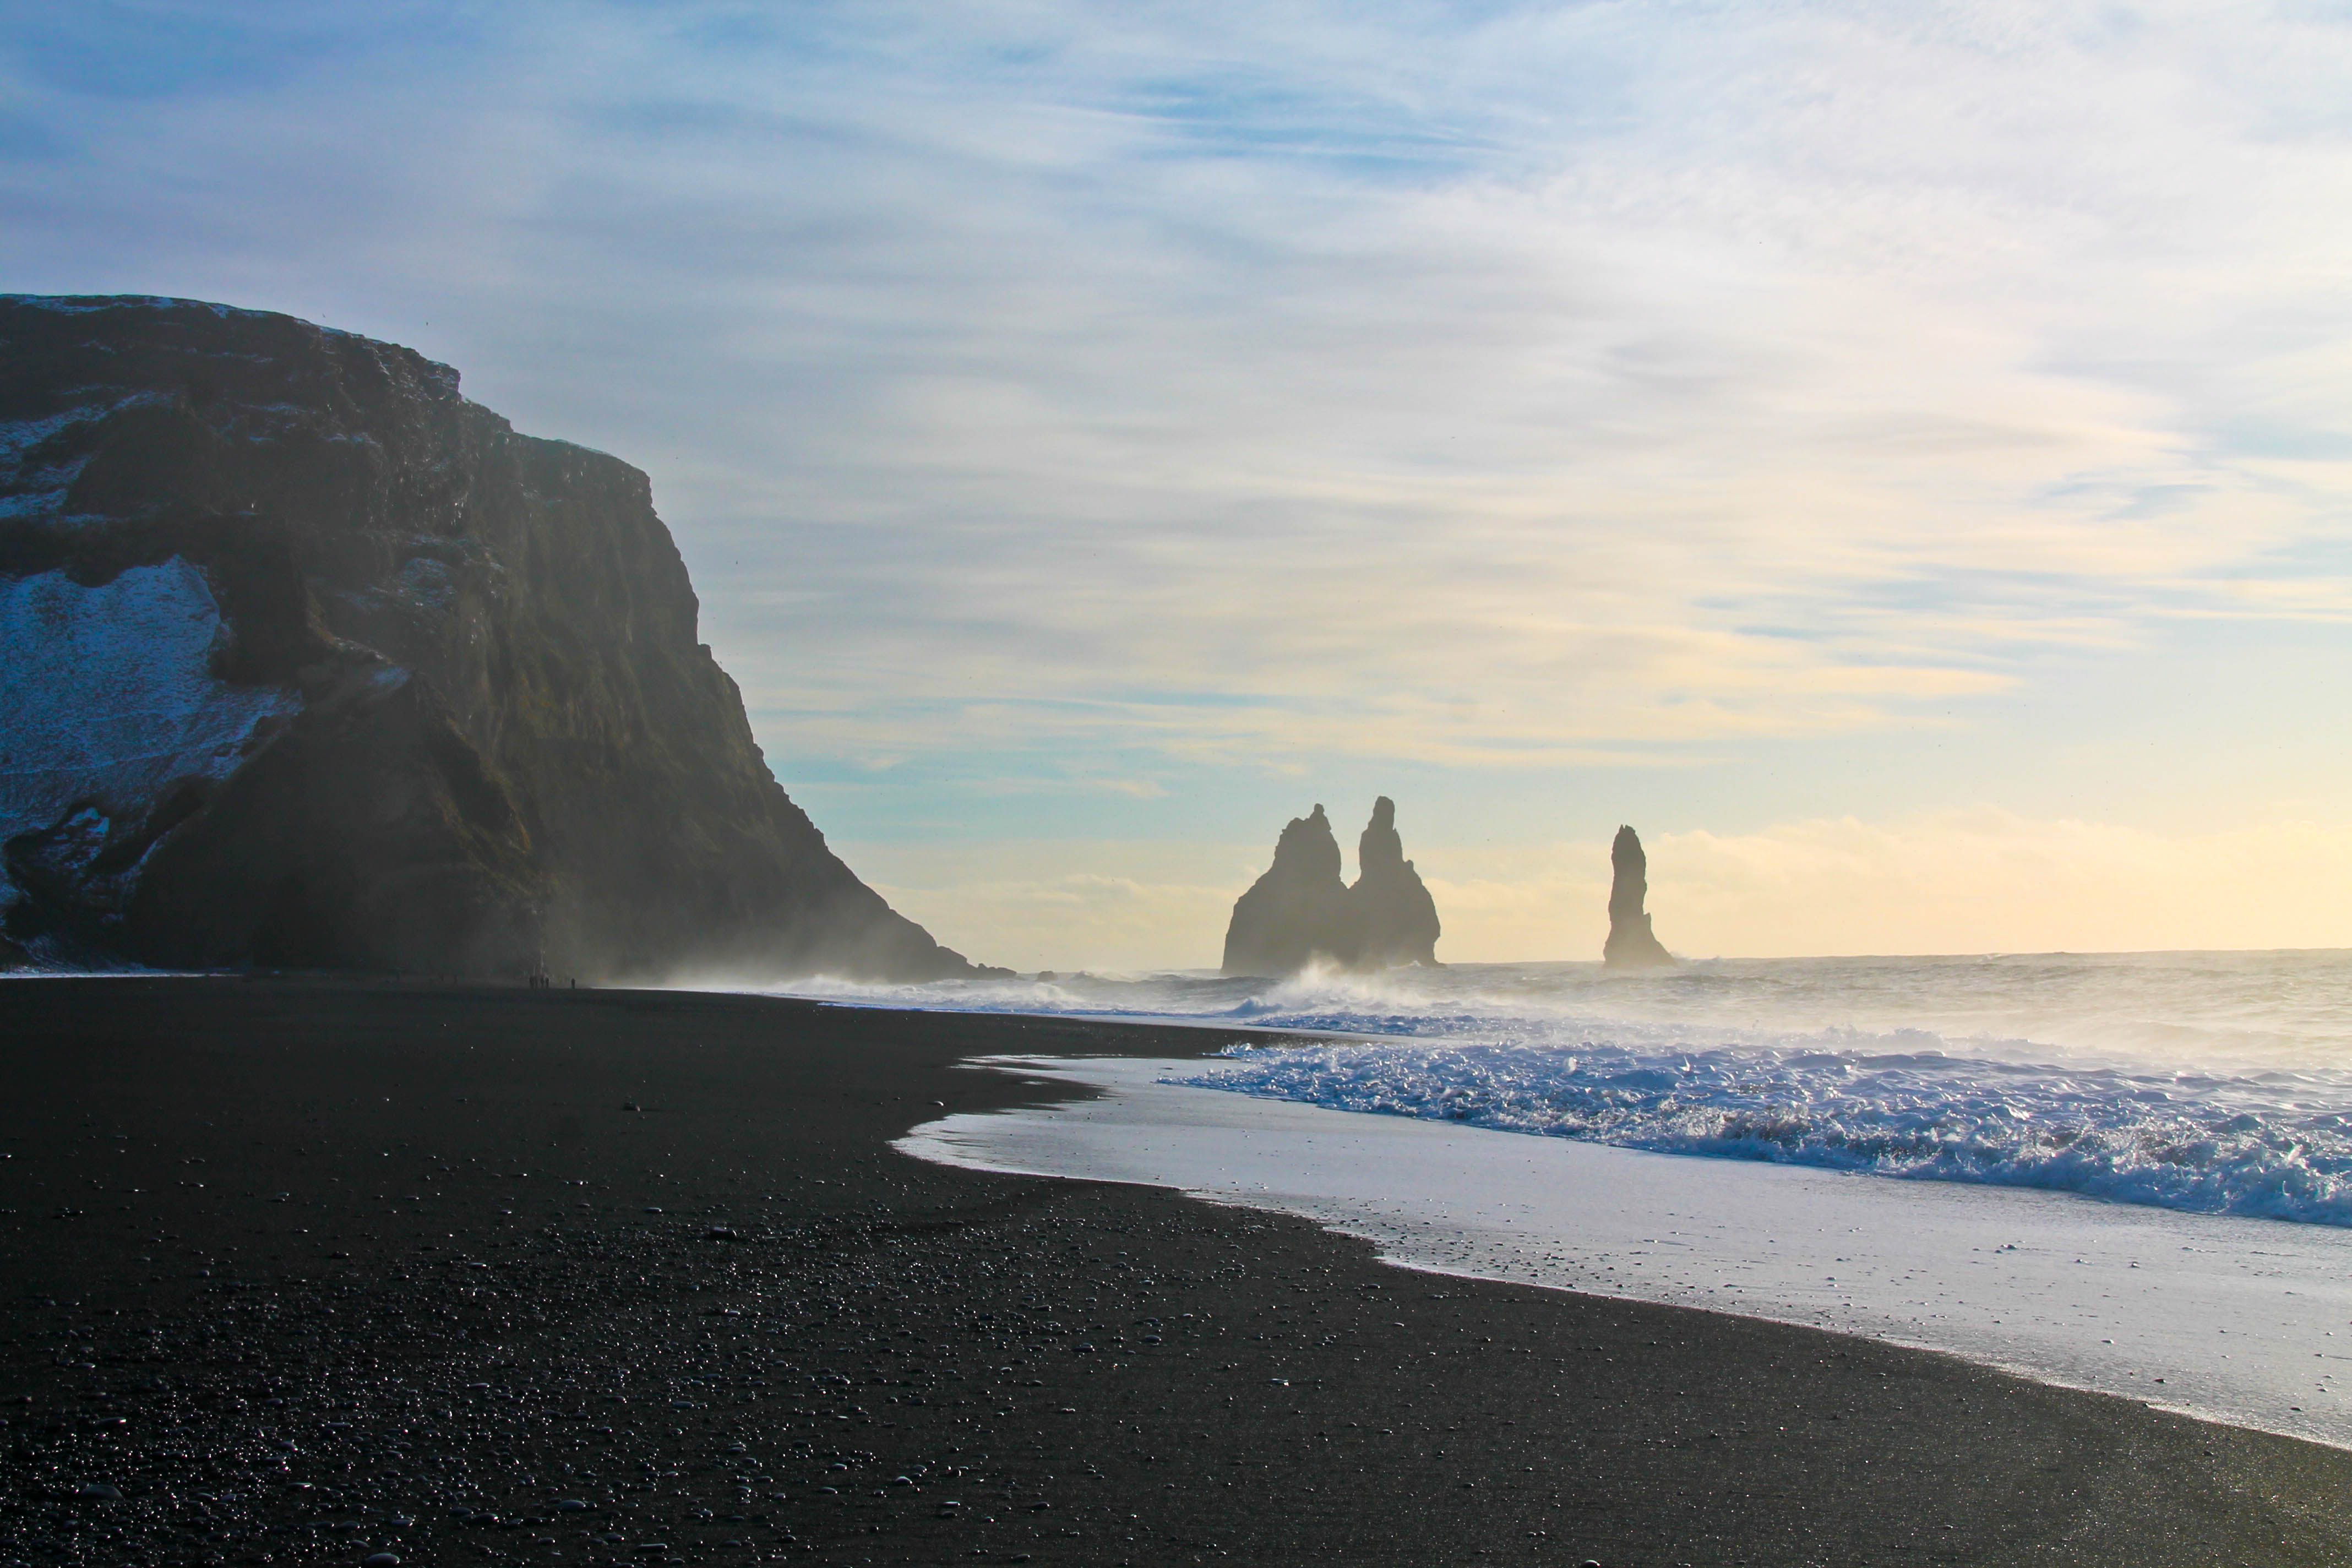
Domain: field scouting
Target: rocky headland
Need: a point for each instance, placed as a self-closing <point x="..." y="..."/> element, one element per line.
<point x="308" y="661"/>
<point x="1632" y="944"/>
<point x="1300" y="913"/>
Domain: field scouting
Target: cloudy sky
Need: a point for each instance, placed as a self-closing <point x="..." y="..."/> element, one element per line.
<point x="1897" y="456"/>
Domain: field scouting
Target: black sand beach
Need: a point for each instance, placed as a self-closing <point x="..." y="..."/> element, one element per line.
<point x="300" y="1271"/>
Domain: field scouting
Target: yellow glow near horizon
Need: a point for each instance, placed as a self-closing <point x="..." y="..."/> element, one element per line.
<point x="1973" y="881"/>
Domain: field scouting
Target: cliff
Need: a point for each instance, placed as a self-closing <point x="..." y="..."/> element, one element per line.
<point x="1300" y="913"/>
<point x="307" y="661"/>
<point x="1632" y="944"/>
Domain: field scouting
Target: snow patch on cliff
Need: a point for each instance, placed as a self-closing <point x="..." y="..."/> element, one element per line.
<point x="106" y="694"/>
<point x="92" y="304"/>
<point x="39" y="482"/>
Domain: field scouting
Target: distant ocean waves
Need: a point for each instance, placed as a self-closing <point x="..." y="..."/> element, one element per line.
<point x="2214" y="1082"/>
<point x="2271" y="1144"/>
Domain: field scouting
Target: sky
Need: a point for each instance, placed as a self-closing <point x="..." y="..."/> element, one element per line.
<point x="1897" y="457"/>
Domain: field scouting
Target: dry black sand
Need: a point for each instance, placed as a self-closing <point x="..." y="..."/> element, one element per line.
<point x="307" y="1271"/>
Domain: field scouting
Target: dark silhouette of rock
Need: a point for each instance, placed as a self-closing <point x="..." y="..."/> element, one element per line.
<point x="1632" y="944"/>
<point x="307" y="661"/>
<point x="1396" y="919"/>
<point x="1300" y="912"/>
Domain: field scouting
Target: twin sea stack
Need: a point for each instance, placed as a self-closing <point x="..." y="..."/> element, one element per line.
<point x="307" y="661"/>
<point x="1300" y="913"/>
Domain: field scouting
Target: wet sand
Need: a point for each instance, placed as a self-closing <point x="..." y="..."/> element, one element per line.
<point x="306" y="1271"/>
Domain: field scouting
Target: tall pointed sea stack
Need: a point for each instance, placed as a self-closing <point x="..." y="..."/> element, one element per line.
<point x="1632" y="944"/>
<point x="1396" y="918"/>
<point x="1298" y="911"/>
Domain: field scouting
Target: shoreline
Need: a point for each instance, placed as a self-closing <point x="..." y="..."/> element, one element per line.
<point x="2224" y="1319"/>
<point x="387" y="1302"/>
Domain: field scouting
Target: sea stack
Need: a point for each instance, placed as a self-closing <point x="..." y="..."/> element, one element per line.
<point x="1396" y="918"/>
<point x="1300" y="913"/>
<point x="306" y="662"/>
<point x="1632" y="944"/>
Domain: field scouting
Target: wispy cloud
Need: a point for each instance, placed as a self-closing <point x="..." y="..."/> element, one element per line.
<point x="1074" y="392"/>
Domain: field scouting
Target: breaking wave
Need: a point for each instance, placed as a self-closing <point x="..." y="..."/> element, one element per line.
<point x="2216" y="1083"/>
<point x="2278" y="1146"/>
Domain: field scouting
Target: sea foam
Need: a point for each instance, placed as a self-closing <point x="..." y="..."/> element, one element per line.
<point x="2211" y="1083"/>
<point x="2254" y="1146"/>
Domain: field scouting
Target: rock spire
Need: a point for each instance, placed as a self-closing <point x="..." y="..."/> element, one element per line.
<point x="1632" y="944"/>
<point x="1300" y="913"/>
<point x="1397" y="918"/>
<point x="1297" y="912"/>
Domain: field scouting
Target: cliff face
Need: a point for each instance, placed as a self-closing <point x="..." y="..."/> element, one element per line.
<point x="307" y="661"/>
<point x="1632" y="944"/>
<point x="1300" y="913"/>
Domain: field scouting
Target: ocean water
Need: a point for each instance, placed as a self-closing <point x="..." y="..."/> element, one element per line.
<point x="2211" y="1083"/>
<point x="2130" y="1174"/>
